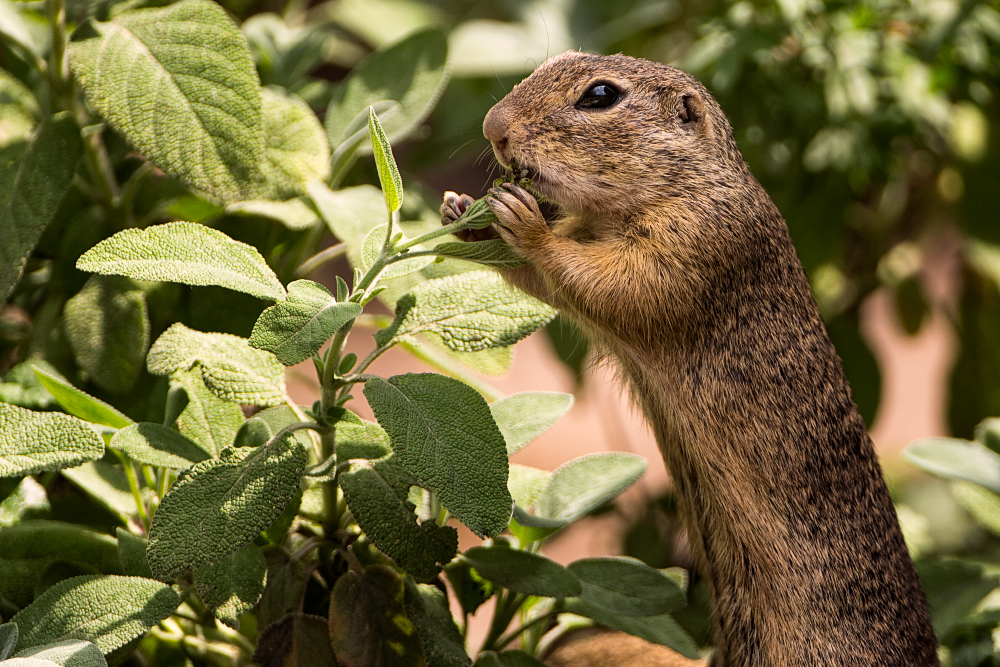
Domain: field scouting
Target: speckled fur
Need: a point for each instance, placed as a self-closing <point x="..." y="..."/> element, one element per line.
<point x="673" y="258"/>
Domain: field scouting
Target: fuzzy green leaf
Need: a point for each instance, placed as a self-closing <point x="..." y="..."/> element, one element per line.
<point x="232" y="586"/>
<point x="231" y="369"/>
<point x="523" y="572"/>
<point x="295" y="214"/>
<point x="661" y="629"/>
<point x="349" y="214"/>
<point x="132" y="554"/>
<point x="626" y="586"/>
<point x="296" y="328"/>
<point x="180" y="85"/>
<point x="206" y="419"/>
<point x="184" y="252"/>
<point x="981" y="503"/>
<point x="523" y="417"/>
<point x="372" y="246"/>
<point x="105" y="483"/>
<point x="295" y="146"/>
<point x="106" y="610"/>
<point x="8" y="639"/>
<point x="43" y="175"/>
<point x="222" y="505"/>
<point x="411" y="73"/>
<point x="157" y="445"/>
<point x="586" y="483"/>
<point x="297" y="640"/>
<point x="79" y="404"/>
<point x="526" y="484"/>
<point x="493" y="252"/>
<point x="427" y="607"/>
<point x="28" y="548"/>
<point x="377" y="495"/>
<point x="107" y="326"/>
<point x="67" y="653"/>
<point x="31" y="441"/>
<point x="368" y="625"/>
<point x="385" y="163"/>
<point x="956" y="459"/>
<point x="359" y="439"/>
<point x="443" y="433"/>
<point x="469" y="312"/>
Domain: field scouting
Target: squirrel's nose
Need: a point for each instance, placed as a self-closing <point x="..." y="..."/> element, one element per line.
<point x="495" y="127"/>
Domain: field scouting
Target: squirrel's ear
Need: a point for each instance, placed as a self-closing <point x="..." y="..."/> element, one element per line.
<point x="690" y="109"/>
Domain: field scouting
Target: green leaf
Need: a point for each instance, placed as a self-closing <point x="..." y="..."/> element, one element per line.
<point x="286" y="579"/>
<point x="988" y="433"/>
<point x="206" y="419"/>
<point x="570" y="346"/>
<point x="79" y="404"/>
<point x="526" y="484"/>
<point x="982" y="504"/>
<point x="956" y="459"/>
<point x="230" y="368"/>
<point x="44" y="174"/>
<point x="661" y="629"/>
<point x="377" y="495"/>
<point x="31" y="442"/>
<point x="106" y="610"/>
<point x="132" y="554"/>
<point x="232" y="586"/>
<point x="388" y="173"/>
<point x="412" y="73"/>
<point x="28" y="548"/>
<point x="107" y="326"/>
<point x="427" y="607"/>
<point x="478" y="215"/>
<point x="368" y="625"/>
<point x="29" y="662"/>
<point x="469" y="312"/>
<point x="626" y="586"/>
<point x="297" y="640"/>
<point x="179" y="84"/>
<point x="586" y="483"/>
<point x="184" y="252"/>
<point x="443" y="433"/>
<point x="295" y="147"/>
<point x="14" y="27"/>
<point x="295" y="214"/>
<point x="157" y="445"/>
<point x="222" y="505"/>
<point x="8" y="639"/>
<point x="372" y="246"/>
<point x="523" y="572"/>
<point x="27" y="499"/>
<point x="356" y="438"/>
<point x="296" y="328"/>
<point x="493" y="252"/>
<point x="954" y="588"/>
<point x="523" y="417"/>
<point x="67" y="653"/>
<point x="349" y="214"/>
<point x="471" y="590"/>
<point x="105" y="483"/>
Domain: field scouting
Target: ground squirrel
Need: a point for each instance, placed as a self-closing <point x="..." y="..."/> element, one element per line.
<point x="673" y="258"/>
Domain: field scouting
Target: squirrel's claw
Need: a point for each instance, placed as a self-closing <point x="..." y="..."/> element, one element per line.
<point x="518" y="216"/>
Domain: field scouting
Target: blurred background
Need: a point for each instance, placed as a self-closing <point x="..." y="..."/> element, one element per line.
<point x="875" y="127"/>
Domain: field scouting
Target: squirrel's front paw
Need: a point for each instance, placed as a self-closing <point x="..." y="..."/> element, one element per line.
<point x="453" y="207"/>
<point x="518" y="219"/>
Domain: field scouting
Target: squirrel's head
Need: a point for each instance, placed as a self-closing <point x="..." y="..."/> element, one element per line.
<point x="607" y="133"/>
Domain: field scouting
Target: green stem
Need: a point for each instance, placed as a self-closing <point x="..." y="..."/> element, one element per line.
<point x="502" y="641"/>
<point x="319" y="259"/>
<point x="133" y="484"/>
<point x="507" y="605"/>
<point x="443" y="230"/>
<point x="58" y="72"/>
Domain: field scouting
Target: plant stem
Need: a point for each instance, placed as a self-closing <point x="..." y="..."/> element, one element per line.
<point x="319" y="259"/>
<point x="502" y="641"/>
<point x="57" y="66"/>
<point x="133" y="484"/>
<point x="508" y="603"/>
<point x="443" y="230"/>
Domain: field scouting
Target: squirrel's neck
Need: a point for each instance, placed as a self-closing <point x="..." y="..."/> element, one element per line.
<point x="787" y="511"/>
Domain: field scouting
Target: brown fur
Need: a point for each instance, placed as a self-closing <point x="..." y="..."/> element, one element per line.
<point x="674" y="259"/>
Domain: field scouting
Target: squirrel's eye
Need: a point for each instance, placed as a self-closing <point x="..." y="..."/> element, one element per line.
<point x="599" y="96"/>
